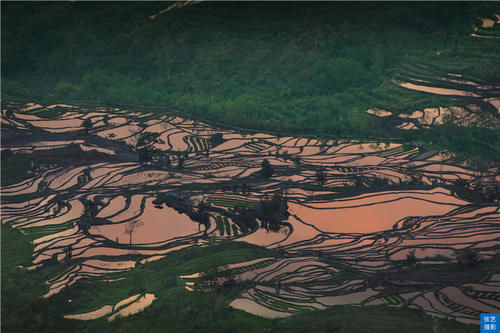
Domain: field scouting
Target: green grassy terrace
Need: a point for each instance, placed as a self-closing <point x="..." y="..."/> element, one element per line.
<point x="176" y="309"/>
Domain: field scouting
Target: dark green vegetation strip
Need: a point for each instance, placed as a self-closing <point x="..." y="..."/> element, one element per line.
<point x="38" y="232"/>
<point x="47" y="113"/>
<point x="281" y="67"/>
<point x="227" y="226"/>
<point x="370" y="319"/>
<point x="22" y="308"/>
<point x="230" y="202"/>
<point x="220" y="225"/>
<point x="15" y="168"/>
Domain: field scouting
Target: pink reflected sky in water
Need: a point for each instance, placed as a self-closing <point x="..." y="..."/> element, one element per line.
<point x="342" y="217"/>
<point x="158" y="225"/>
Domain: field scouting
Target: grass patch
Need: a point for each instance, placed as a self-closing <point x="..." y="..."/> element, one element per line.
<point x="176" y="310"/>
<point x="38" y="232"/>
<point x="47" y="113"/>
<point x="15" y="168"/>
<point x="230" y="202"/>
<point x="374" y="319"/>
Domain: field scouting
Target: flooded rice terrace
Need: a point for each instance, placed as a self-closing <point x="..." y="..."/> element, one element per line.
<point x="358" y="212"/>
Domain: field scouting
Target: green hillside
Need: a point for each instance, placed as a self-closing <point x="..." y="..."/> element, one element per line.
<point x="310" y="68"/>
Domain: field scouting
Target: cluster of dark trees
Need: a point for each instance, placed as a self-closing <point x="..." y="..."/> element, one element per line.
<point x="271" y="212"/>
<point x="467" y="258"/>
<point x="87" y="125"/>
<point x="480" y="190"/>
<point x="89" y="214"/>
<point x="147" y="152"/>
<point x="266" y="170"/>
<point x="320" y="175"/>
<point x="145" y="146"/>
<point x="200" y="214"/>
<point x="242" y="188"/>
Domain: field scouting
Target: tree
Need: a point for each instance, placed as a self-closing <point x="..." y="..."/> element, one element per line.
<point x="88" y="217"/>
<point x="164" y="159"/>
<point x="412" y="171"/>
<point x="267" y="170"/>
<point x="285" y="156"/>
<point x="201" y="215"/>
<point x="180" y="162"/>
<point x="245" y="218"/>
<point x="411" y="259"/>
<point x="130" y="228"/>
<point x="245" y="188"/>
<point x="272" y="212"/>
<point x="68" y="251"/>
<point x="321" y="176"/>
<point x="87" y="173"/>
<point x="467" y="258"/>
<point x="145" y="145"/>
<point x="87" y="125"/>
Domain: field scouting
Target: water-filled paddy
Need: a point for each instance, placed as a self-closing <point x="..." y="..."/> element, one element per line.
<point x="377" y="203"/>
<point x="156" y="225"/>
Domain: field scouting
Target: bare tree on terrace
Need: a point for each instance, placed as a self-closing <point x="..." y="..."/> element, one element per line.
<point x="130" y="228"/>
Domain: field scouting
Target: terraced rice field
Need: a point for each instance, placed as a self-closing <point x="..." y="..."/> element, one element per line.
<point x="378" y="203"/>
<point x="471" y="101"/>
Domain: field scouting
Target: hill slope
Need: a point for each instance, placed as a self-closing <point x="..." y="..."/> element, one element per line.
<point x="311" y="68"/>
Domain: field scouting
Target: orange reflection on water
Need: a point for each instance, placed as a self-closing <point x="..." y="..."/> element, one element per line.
<point x="158" y="225"/>
<point x="378" y="212"/>
<point x="438" y="91"/>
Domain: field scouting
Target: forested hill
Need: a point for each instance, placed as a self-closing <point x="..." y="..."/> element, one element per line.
<point x="297" y="67"/>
